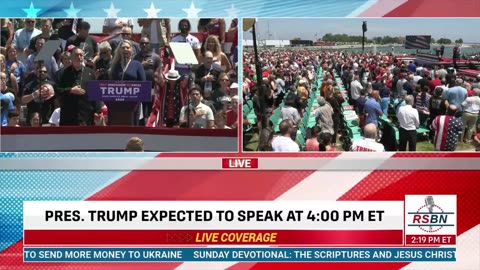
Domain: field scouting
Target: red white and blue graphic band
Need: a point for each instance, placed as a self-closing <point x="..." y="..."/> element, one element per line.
<point x="265" y="185"/>
<point x="78" y="226"/>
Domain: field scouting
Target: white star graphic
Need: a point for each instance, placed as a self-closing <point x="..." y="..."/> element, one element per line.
<point x="232" y="11"/>
<point x="112" y="12"/>
<point x="72" y="11"/>
<point x="31" y="11"/>
<point x="152" y="11"/>
<point x="192" y="11"/>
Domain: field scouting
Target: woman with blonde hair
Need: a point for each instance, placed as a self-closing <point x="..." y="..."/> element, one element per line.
<point x="11" y="79"/>
<point x="124" y="68"/>
<point x="213" y="44"/>
<point x="221" y="120"/>
<point x="302" y="92"/>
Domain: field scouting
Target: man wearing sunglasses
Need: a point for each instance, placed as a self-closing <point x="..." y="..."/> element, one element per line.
<point x="37" y="94"/>
<point x="151" y="62"/>
<point x="22" y="37"/>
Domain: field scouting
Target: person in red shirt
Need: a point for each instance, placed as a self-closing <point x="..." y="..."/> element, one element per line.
<point x="476" y="139"/>
<point x="312" y="144"/>
<point x="434" y="83"/>
<point x="326" y="143"/>
<point x="232" y="115"/>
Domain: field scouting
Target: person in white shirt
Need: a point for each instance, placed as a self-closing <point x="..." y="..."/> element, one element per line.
<point x="284" y="142"/>
<point x="203" y="116"/>
<point x="54" y="120"/>
<point x="22" y="37"/>
<point x="289" y="111"/>
<point x="399" y="85"/>
<point x="184" y="27"/>
<point x="409" y="122"/>
<point x="471" y="110"/>
<point x="418" y="76"/>
<point x="355" y="88"/>
<point x="368" y="144"/>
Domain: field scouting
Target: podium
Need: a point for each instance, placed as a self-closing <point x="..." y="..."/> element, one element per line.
<point x="123" y="99"/>
<point x="122" y="113"/>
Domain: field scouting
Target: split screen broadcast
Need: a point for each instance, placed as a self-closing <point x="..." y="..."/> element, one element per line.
<point x="167" y="84"/>
<point x="176" y="85"/>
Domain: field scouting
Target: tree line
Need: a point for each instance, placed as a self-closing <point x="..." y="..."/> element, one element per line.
<point x="344" y="38"/>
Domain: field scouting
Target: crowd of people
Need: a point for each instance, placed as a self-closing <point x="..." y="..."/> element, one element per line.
<point x="378" y="86"/>
<point x="54" y="91"/>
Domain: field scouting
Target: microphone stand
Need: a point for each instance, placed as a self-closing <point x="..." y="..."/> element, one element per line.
<point x="40" y="102"/>
<point x="40" y="98"/>
<point x="188" y="94"/>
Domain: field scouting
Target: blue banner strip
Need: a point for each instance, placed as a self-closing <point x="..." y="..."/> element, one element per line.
<point x="42" y="254"/>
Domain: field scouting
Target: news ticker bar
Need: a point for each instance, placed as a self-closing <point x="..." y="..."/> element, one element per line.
<point x="235" y="254"/>
<point x="343" y="162"/>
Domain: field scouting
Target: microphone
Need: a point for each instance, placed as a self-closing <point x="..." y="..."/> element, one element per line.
<point x="191" y="80"/>
<point x="430" y="204"/>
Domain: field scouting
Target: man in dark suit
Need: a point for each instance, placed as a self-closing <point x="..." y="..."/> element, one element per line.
<point x="76" y="109"/>
<point x="207" y="74"/>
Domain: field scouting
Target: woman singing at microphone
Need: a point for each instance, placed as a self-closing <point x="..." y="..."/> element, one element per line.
<point x="124" y="68"/>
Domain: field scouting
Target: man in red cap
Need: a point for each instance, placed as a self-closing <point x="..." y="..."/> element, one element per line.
<point x="378" y="84"/>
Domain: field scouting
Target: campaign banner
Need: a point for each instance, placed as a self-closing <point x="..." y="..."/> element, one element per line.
<point x="208" y="215"/>
<point x="239" y="254"/>
<point x="120" y="91"/>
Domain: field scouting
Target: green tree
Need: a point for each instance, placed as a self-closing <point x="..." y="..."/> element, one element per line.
<point x="460" y="40"/>
<point x="444" y="41"/>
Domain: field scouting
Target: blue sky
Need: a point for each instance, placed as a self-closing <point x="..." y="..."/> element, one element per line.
<point x="288" y="28"/>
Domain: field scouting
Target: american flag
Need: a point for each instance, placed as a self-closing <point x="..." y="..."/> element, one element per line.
<point x="418" y="42"/>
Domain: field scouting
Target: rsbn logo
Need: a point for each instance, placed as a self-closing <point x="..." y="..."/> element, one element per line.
<point x="430" y="217"/>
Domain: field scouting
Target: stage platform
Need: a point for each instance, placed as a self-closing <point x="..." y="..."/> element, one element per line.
<point x="85" y="138"/>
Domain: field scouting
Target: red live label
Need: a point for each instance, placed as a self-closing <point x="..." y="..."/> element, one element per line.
<point x="240" y="163"/>
<point x="430" y="240"/>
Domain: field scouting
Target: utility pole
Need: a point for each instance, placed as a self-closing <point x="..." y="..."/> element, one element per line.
<point x="364" y="29"/>
<point x="260" y="87"/>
